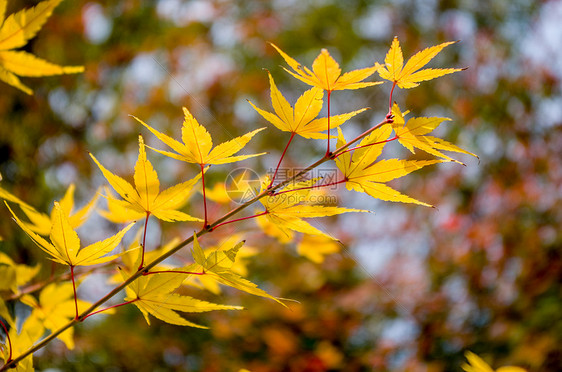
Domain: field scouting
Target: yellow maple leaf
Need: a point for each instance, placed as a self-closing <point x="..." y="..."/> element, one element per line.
<point x="41" y="223"/>
<point x="364" y="174"/>
<point x="15" y="31"/>
<point x="326" y="73"/>
<point x="30" y="332"/>
<point x="55" y="307"/>
<point x="218" y="193"/>
<point x="288" y="207"/>
<point x="219" y="265"/>
<point x="269" y="228"/>
<point x="315" y="247"/>
<point x="301" y="119"/>
<point x="197" y="146"/>
<point x="408" y="76"/>
<point x="65" y="243"/>
<point x="413" y="134"/>
<point x="239" y="266"/>
<point x="132" y="256"/>
<point x="154" y="294"/>
<point x="118" y="212"/>
<point x="476" y="364"/>
<point x="14" y="275"/>
<point x="145" y="198"/>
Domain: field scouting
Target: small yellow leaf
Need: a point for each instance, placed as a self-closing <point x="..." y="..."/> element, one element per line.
<point x="154" y="294"/>
<point x="408" y="76"/>
<point x="287" y="208"/>
<point x="413" y="134"/>
<point x="477" y="364"/>
<point x="217" y="265"/>
<point x="41" y="223"/>
<point x="65" y="247"/>
<point x="315" y="247"/>
<point x="269" y="228"/>
<point x="326" y="73"/>
<point x="56" y="308"/>
<point x="145" y="198"/>
<point x="364" y="174"/>
<point x="197" y="144"/>
<point x="302" y="118"/>
<point x="218" y="193"/>
<point x="30" y="332"/>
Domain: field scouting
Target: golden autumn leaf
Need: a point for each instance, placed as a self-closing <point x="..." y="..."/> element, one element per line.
<point x="55" y="307"/>
<point x="477" y="364"/>
<point x="13" y="275"/>
<point x="316" y="247"/>
<point x="197" y="146"/>
<point x="30" y="332"/>
<point x="41" y="223"/>
<point x="287" y="208"/>
<point x="410" y="75"/>
<point x="218" y="193"/>
<point x="302" y="118"/>
<point x="413" y="134"/>
<point x="364" y="174"/>
<point x="15" y="31"/>
<point x="239" y="266"/>
<point x="326" y="73"/>
<point x="131" y="258"/>
<point x="269" y="228"/>
<point x="154" y="294"/>
<point x="219" y="265"/>
<point x="65" y="247"/>
<point x="145" y="197"/>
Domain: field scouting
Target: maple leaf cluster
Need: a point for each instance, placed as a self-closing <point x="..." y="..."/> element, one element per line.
<point x="159" y="289"/>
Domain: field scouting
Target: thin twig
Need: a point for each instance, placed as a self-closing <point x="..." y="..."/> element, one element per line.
<point x="280" y="159"/>
<point x="204" y="194"/>
<point x="240" y="219"/>
<point x="74" y="288"/>
<point x="174" y="271"/>
<point x="370" y="144"/>
<point x="312" y="187"/>
<point x="9" y="341"/>
<point x="108" y="308"/>
<point x="39" y="286"/>
<point x="328" y="149"/>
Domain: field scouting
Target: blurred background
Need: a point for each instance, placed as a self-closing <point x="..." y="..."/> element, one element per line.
<point x="412" y="288"/>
